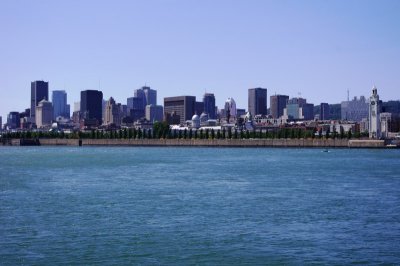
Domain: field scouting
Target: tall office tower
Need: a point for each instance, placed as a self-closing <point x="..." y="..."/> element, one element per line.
<point x="39" y="91"/>
<point x="277" y="104"/>
<point x="307" y="111"/>
<point x="1" y="123"/>
<point x="92" y="105"/>
<point x="150" y="95"/>
<point x="135" y="108"/>
<point x="154" y="113"/>
<point x="374" y="115"/>
<point x="77" y="106"/>
<point x="198" y="108"/>
<point x="44" y="114"/>
<point x="324" y="112"/>
<point x="355" y="110"/>
<point x="147" y="95"/>
<point x="60" y="106"/>
<point x="179" y="109"/>
<point x="112" y="114"/>
<point x="230" y="111"/>
<point x="13" y="120"/>
<point x="293" y="108"/>
<point x="209" y="105"/>
<point x="257" y="103"/>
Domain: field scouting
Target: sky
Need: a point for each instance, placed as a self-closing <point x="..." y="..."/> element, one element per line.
<point x="314" y="49"/>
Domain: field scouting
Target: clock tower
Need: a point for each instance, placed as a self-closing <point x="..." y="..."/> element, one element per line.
<point x="374" y="115"/>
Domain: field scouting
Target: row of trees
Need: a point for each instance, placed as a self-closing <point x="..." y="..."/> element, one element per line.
<point x="162" y="130"/>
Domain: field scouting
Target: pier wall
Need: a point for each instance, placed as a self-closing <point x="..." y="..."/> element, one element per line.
<point x="328" y="143"/>
<point x="306" y="143"/>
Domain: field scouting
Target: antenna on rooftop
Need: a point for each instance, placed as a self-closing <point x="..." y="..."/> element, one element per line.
<point x="348" y="95"/>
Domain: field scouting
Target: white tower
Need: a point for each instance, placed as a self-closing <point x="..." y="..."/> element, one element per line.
<point x="374" y="117"/>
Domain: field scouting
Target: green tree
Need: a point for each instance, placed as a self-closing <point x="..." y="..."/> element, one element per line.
<point x="349" y="134"/>
<point x="229" y="133"/>
<point x="328" y="133"/>
<point x="241" y="134"/>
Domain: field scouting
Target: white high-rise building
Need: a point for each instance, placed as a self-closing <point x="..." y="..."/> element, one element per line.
<point x="44" y="114"/>
<point x="112" y="113"/>
<point x="374" y="116"/>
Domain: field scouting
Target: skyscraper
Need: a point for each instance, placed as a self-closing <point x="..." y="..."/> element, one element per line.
<point x="39" y="91"/>
<point x="92" y="105"/>
<point x="13" y="120"/>
<point x="60" y="106"/>
<point x="147" y="95"/>
<point x="180" y="108"/>
<point x="209" y="105"/>
<point x="324" y="111"/>
<point x="277" y="104"/>
<point x="112" y="114"/>
<point x="294" y="107"/>
<point x="257" y="103"/>
<point x="150" y="95"/>
<point x="44" y="114"/>
<point x="135" y="107"/>
<point x="154" y="113"/>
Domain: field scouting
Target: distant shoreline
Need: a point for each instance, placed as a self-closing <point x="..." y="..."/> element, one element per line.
<point x="279" y="143"/>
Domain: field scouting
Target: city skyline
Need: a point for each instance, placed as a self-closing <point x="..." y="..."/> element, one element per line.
<point x="188" y="48"/>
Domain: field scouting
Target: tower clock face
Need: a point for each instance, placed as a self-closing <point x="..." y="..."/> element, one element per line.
<point x="372" y="103"/>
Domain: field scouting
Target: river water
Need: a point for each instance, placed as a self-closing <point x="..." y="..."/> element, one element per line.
<point x="158" y="206"/>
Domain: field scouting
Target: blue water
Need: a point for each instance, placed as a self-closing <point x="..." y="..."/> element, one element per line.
<point x="116" y="206"/>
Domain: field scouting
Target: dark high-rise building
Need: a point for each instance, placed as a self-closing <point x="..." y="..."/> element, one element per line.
<point x="136" y="105"/>
<point x="199" y="108"/>
<point x="277" y="104"/>
<point x="180" y="108"/>
<point x="39" y="91"/>
<point x="307" y="111"/>
<point x="209" y="105"/>
<point x="147" y="95"/>
<point x="60" y="106"/>
<point x="135" y="108"/>
<point x="392" y="107"/>
<point x="324" y="113"/>
<point x="257" y="101"/>
<point x="13" y="120"/>
<point x="92" y="105"/>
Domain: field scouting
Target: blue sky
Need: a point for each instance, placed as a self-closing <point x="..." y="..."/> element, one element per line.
<point x="316" y="48"/>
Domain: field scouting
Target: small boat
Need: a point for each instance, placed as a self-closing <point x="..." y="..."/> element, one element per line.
<point x="391" y="146"/>
<point x="326" y="150"/>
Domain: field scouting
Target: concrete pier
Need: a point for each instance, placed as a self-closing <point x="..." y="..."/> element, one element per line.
<point x="306" y="143"/>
